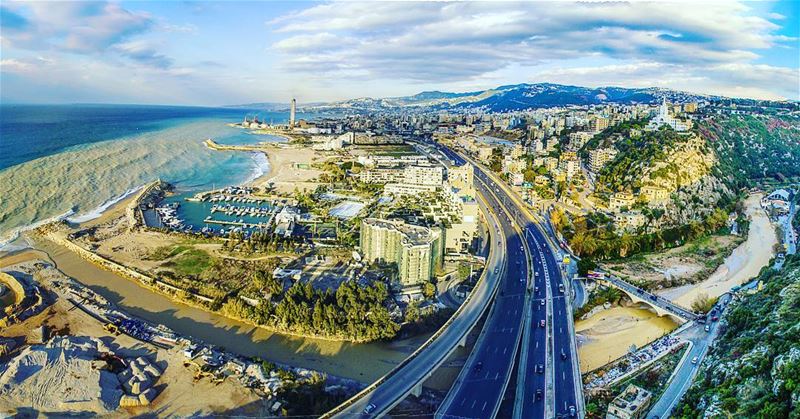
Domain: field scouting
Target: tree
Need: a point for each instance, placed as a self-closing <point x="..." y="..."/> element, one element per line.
<point x="429" y="290"/>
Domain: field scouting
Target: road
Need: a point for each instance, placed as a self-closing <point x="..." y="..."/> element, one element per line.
<point x="686" y="370"/>
<point x="565" y="387"/>
<point x="388" y="391"/>
<point x="479" y="388"/>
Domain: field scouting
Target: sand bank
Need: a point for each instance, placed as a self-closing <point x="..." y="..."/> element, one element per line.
<point x="610" y="333"/>
<point x="742" y="265"/>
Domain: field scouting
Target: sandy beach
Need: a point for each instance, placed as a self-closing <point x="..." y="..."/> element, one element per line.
<point x="290" y="169"/>
<point x="742" y="265"/>
<point x="610" y="333"/>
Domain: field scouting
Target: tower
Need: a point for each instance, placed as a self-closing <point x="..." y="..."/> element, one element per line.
<point x="292" y="111"/>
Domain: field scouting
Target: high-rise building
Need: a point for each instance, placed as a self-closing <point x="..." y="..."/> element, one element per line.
<point x="462" y="178"/>
<point x="416" y="250"/>
<point x="292" y="112"/>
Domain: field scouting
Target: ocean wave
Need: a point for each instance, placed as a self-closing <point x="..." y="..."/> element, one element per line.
<point x="261" y="166"/>
<point x="100" y="209"/>
<point x="5" y="242"/>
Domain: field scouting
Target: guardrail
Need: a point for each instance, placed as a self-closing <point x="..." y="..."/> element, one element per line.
<point x="358" y="396"/>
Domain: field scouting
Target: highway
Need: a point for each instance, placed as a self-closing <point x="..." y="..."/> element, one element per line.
<point x="479" y="388"/>
<point x="565" y="386"/>
<point x="380" y="397"/>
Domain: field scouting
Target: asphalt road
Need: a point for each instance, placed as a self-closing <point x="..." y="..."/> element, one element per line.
<point x="564" y="358"/>
<point x="479" y="388"/>
<point x="687" y="370"/>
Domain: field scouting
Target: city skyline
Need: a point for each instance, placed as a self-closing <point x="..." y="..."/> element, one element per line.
<point x="212" y="53"/>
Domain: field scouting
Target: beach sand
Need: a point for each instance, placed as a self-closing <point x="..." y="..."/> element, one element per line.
<point x="285" y="171"/>
<point x="610" y="333"/>
<point x="742" y="265"/>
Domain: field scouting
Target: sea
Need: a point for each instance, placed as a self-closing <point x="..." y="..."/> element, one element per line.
<point x="75" y="161"/>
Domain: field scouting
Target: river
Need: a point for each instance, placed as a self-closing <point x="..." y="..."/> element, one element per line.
<point x="361" y="362"/>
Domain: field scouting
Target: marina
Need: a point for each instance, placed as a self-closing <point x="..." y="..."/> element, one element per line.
<point x="232" y="209"/>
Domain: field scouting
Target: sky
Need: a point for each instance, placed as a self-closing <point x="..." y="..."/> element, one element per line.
<point x="219" y="53"/>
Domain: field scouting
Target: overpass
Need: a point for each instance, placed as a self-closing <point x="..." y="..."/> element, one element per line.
<point x="662" y="306"/>
<point x="408" y="376"/>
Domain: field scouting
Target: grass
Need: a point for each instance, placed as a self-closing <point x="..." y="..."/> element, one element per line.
<point x="166" y="252"/>
<point x="191" y="262"/>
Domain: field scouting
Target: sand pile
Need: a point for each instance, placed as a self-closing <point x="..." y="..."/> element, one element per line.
<point x="63" y="375"/>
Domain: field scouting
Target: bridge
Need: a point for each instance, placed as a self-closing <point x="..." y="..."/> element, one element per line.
<point x="662" y="306"/>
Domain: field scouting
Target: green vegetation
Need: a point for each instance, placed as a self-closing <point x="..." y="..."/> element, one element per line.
<point x="598" y="298"/>
<point x="353" y="312"/>
<point x="635" y="154"/>
<point x="308" y="397"/>
<point x="703" y="303"/>
<point x="594" y="237"/>
<point x="191" y="261"/>
<point x="753" y="370"/>
<point x="754" y="148"/>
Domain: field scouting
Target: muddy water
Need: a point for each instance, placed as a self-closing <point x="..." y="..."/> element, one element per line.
<point x="362" y="362"/>
<point x="610" y="333"/>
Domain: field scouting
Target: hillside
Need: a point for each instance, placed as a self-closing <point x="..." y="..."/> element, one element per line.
<point x="515" y="97"/>
<point x="755" y="147"/>
<point x="754" y="368"/>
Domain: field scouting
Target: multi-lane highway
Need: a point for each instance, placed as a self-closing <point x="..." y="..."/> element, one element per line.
<point x="564" y="379"/>
<point x="479" y="388"/>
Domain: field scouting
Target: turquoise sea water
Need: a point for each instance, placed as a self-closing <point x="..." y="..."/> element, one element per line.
<point x="74" y="162"/>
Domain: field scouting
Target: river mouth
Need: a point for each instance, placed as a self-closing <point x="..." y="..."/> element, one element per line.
<point x="361" y="362"/>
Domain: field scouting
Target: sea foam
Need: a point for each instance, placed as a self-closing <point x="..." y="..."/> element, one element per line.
<point x="100" y="209"/>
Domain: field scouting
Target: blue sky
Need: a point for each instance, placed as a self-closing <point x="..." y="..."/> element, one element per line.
<point x="214" y="53"/>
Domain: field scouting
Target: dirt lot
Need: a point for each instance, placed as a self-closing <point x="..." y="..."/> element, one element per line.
<point x="179" y="397"/>
<point x="687" y="264"/>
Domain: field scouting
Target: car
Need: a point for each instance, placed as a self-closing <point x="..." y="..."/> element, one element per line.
<point x="572" y="411"/>
<point x="563" y="354"/>
<point x="561" y="288"/>
<point x="541" y="302"/>
<point x="708" y="328"/>
<point x="539" y="394"/>
<point x="370" y="408"/>
<point x="536" y="289"/>
<point x="537" y="273"/>
<point x="715" y="318"/>
<point x="540" y="368"/>
<point x="522" y="248"/>
<point x="694" y="360"/>
<point x="541" y="323"/>
<point x="478" y="366"/>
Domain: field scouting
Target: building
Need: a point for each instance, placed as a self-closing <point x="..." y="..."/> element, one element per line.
<point x="292" y="112"/>
<point x="569" y="167"/>
<point x="629" y="221"/>
<point x="690" y="107"/>
<point x="598" y="123"/>
<point x="663" y="118"/>
<point x="381" y="175"/>
<point x="459" y="235"/>
<point x="619" y="200"/>
<point x="423" y="175"/>
<point x="633" y="403"/>
<point x="654" y="194"/>
<point x="599" y="157"/>
<point x="416" y="250"/>
<point x="462" y="178"/>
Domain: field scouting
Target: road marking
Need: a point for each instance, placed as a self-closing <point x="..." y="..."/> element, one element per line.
<point x="484" y="407"/>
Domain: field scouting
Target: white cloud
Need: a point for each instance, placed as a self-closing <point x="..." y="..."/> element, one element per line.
<point x="455" y="43"/>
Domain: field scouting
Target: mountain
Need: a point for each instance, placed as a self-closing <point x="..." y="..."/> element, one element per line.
<point x="515" y="97"/>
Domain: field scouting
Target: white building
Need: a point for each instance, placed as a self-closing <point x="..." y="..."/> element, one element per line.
<point x="663" y="118"/>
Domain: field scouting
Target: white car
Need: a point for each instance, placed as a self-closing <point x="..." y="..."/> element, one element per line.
<point x="694" y="360"/>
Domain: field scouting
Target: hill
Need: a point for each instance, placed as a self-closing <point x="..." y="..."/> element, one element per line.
<point x="516" y="97"/>
<point x="753" y="369"/>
